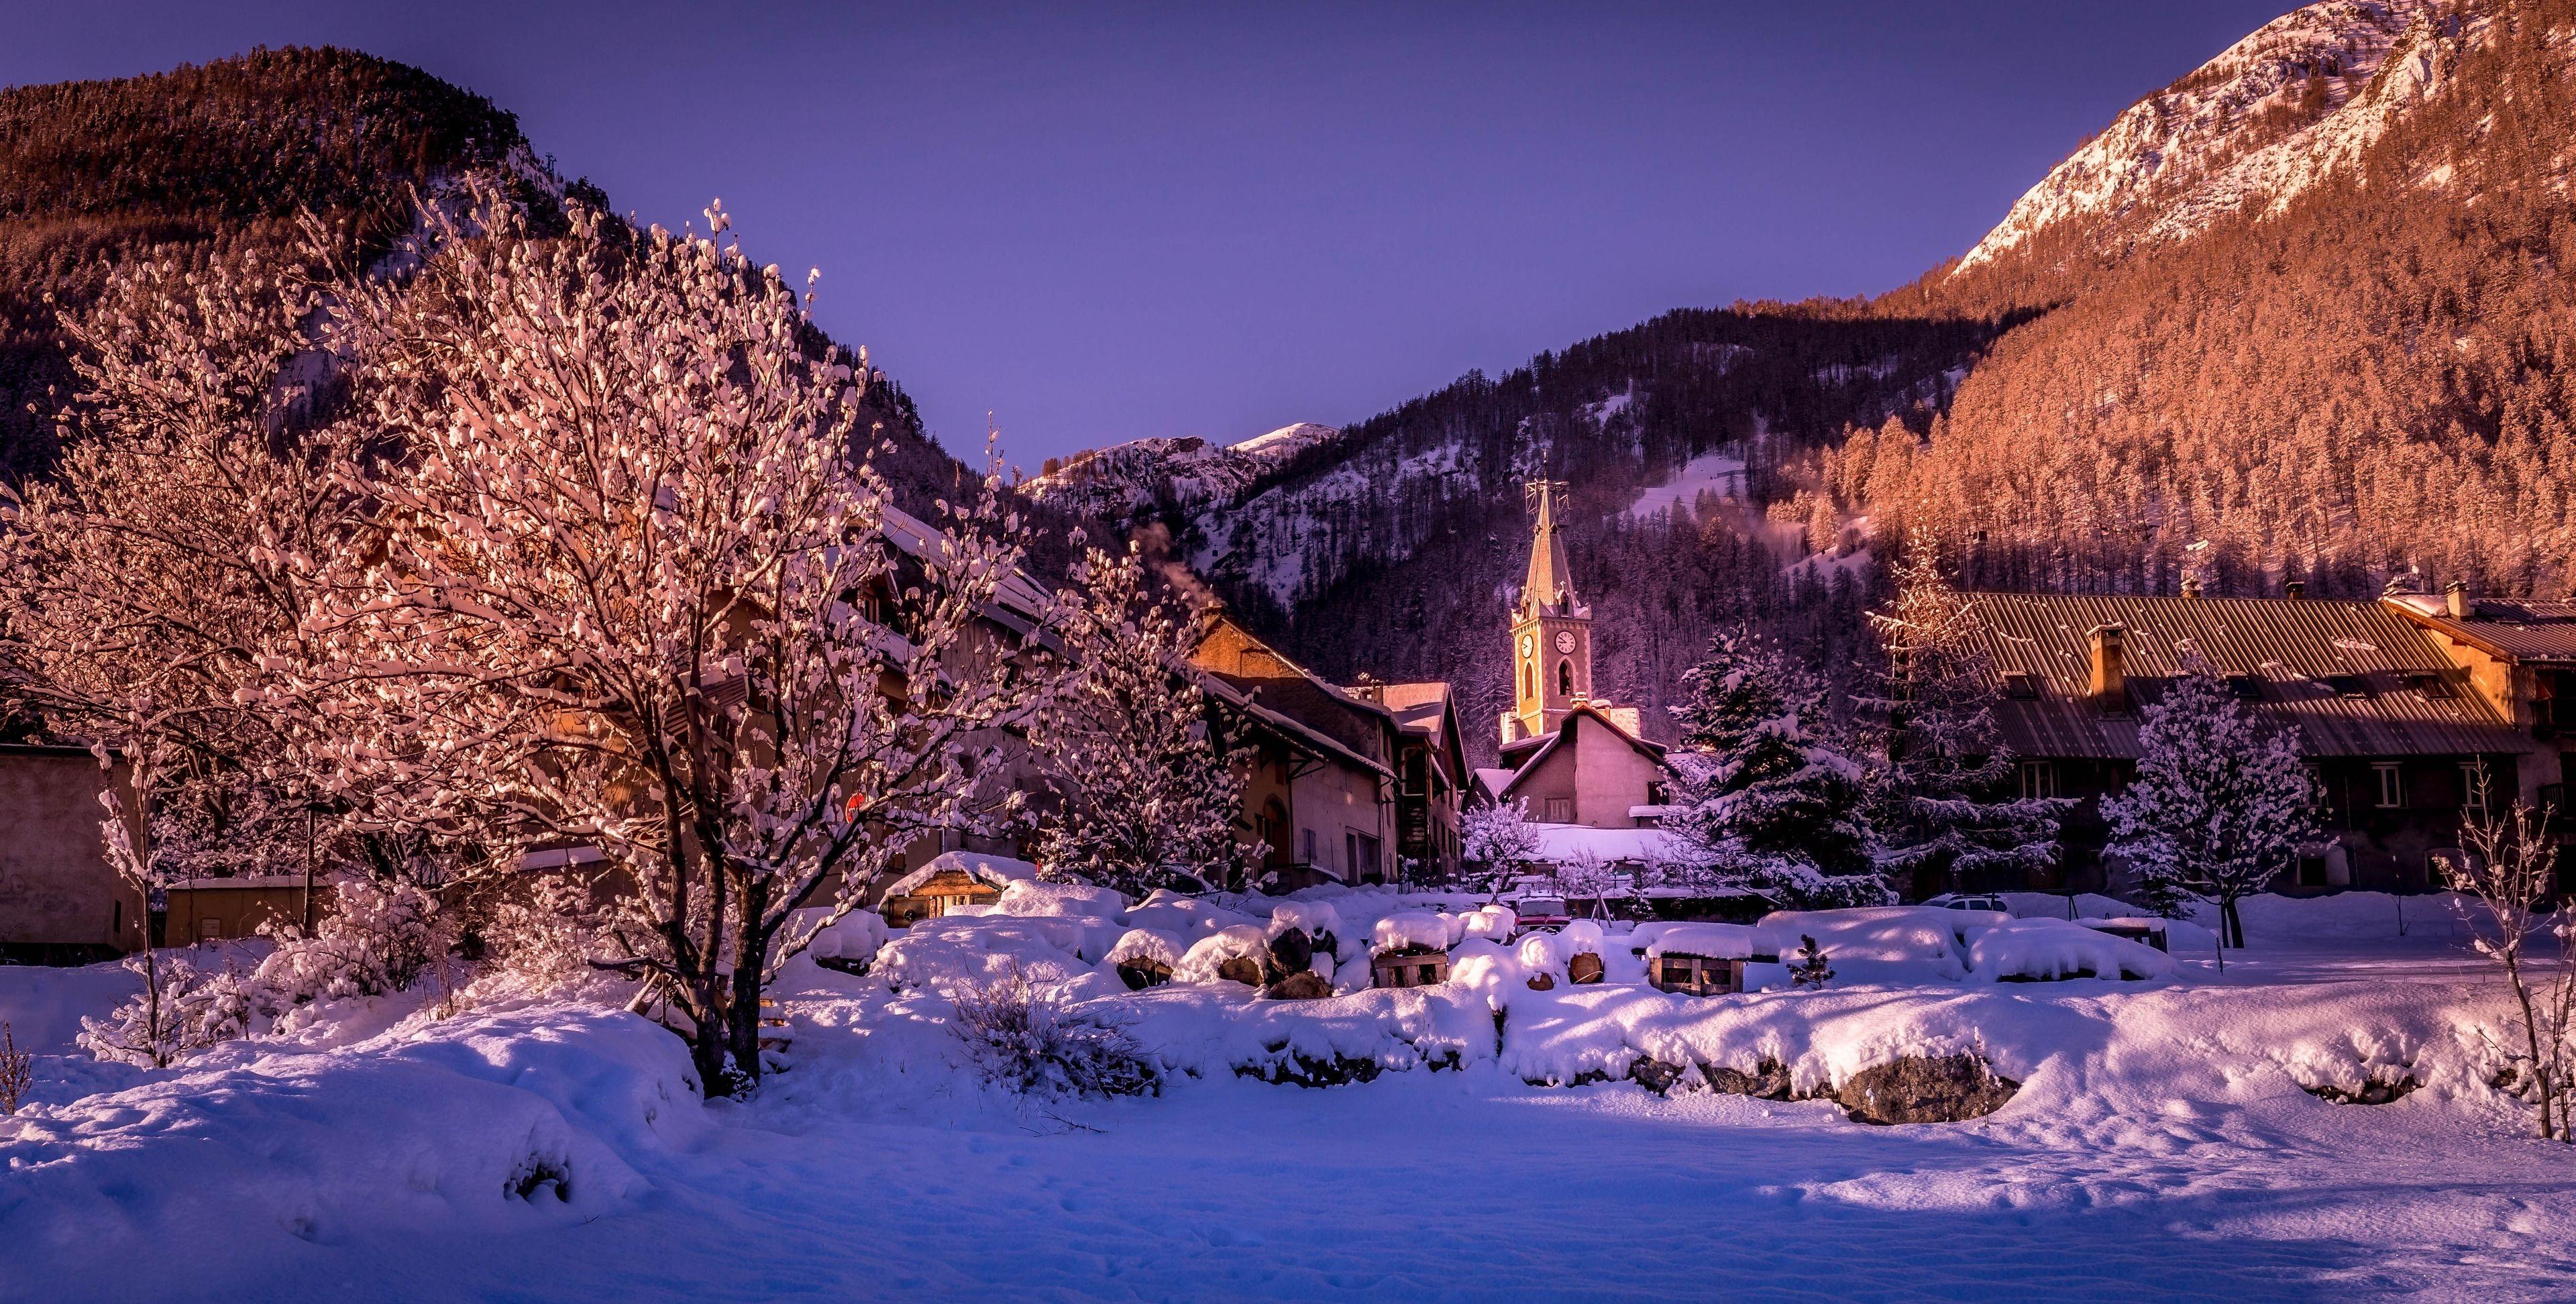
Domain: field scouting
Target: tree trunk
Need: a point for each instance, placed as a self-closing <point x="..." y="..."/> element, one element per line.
<point x="742" y="1023"/>
<point x="2232" y="925"/>
<point x="707" y="1056"/>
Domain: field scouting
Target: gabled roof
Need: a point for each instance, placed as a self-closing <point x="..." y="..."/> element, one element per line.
<point x="1417" y="707"/>
<point x="1296" y="732"/>
<point x="1565" y="729"/>
<point x="2281" y="651"/>
<point x="2523" y="632"/>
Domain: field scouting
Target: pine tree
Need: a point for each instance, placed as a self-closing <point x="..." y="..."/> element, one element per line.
<point x="1770" y="805"/>
<point x="1942" y="805"/>
<point x="1150" y="794"/>
<point x="2218" y="805"/>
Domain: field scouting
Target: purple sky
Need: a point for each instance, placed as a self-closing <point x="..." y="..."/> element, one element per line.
<point x="1214" y="220"/>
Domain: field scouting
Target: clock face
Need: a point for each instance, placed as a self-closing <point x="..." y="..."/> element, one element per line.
<point x="1565" y="640"/>
<point x="1528" y="645"/>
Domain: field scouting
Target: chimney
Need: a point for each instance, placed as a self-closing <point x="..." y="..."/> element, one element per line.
<point x="2296" y="588"/>
<point x="2455" y="596"/>
<point x="2191" y="586"/>
<point x="2110" y="683"/>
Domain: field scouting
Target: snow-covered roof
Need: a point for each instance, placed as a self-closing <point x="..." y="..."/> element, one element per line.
<point x="1559" y="843"/>
<point x="999" y="871"/>
<point x="1019" y="595"/>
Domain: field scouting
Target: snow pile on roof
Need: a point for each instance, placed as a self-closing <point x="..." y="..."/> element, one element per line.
<point x="1411" y="930"/>
<point x="999" y="871"/>
<point x="1709" y="941"/>
<point x="1205" y="956"/>
<point x="1073" y="900"/>
<point x="1563" y="843"/>
<point x="2051" y="949"/>
<point x="1146" y="944"/>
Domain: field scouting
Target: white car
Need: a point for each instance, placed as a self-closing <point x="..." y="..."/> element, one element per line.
<point x="1968" y="901"/>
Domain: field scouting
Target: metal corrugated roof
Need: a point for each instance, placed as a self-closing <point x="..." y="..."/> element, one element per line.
<point x="2290" y="645"/>
<point x="2526" y="632"/>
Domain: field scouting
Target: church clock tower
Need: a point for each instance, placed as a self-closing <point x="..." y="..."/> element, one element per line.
<point x="1551" y="632"/>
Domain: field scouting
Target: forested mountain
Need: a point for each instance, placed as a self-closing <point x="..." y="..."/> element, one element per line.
<point x="2304" y="314"/>
<point x="2345" y="380"/>
<point x="186" y="164"/>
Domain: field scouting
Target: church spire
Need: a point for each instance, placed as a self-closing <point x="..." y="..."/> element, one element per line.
<point x="1551" y="579"/>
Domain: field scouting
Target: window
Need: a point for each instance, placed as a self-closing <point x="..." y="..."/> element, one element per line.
<point x="2038" y="779"/>
<point x="2433" y="687"/>
<point x="2348" y="685"/>
<point x="2022" y="684"/>
<point x="2474" y="785"/>
<point x="1306" y="846"/>
<point x="1658" y="793"/>
<point x="210" y="930"/>
<point x="1564" y="679"/>
<point x="1560" y="810"/>
<point x="1529" y="681"/>
<point x="2245" y="688"/>
<point x="2392" y="785"/>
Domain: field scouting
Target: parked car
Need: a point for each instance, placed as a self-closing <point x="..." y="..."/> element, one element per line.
<point x="1539" y="913"/>
<point x="1968" y="901"/>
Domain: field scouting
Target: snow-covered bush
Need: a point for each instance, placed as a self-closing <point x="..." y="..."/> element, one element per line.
<point x="17" y="1071"/>
<point x="1027" y="1039"/>
<point x="382" y="938"/>
<point x="540" y="942"/>
<point x="179" y="1012"/>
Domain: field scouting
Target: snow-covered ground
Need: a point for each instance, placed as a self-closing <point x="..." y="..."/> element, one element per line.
<point x="1709" y="473"/>
<point x="2161" y="1143"/>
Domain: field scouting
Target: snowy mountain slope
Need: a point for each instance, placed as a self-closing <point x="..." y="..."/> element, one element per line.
<point x="2265" y="121"/>
<point x="1146" y="477"/>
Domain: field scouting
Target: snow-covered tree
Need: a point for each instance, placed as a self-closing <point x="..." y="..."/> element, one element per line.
<point x="1497" y="838"/>
<point x="631" y="587"/>
<point x="176" y="547"/>
<point x="1943" y="798"/>
<point x="1771" y="805"/>
<point x="1150" y="794"/>
<point x="2509" y="868"/>
<point x="1584" y="877"/>
<point x="2218" y="805"/>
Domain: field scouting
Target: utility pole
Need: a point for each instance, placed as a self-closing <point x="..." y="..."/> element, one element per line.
<point x="310" y="809"/>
